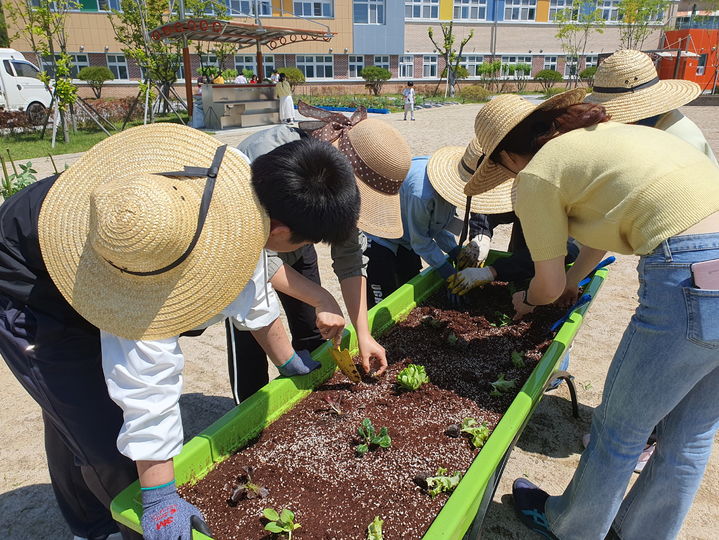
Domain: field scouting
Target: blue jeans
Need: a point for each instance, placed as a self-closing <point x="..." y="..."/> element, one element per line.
<point x="665" y="373"/>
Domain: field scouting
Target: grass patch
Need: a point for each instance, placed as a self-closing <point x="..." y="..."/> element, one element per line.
<point x="393" y="102"/>
<point x="28" y="146"/>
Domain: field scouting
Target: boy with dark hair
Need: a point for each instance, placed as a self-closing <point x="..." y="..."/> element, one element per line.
<point x="153" y="233"/>
<point x="408" y="94"/>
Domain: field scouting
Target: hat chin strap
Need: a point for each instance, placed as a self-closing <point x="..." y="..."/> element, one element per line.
<point x="211" y="175"/>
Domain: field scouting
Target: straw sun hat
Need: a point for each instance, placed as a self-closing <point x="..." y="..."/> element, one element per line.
<point x="380" y="157"/>
<point x="493" y="122"/>
<point x="450" y="168"/>
<point x="126" y="245"/>
<point x="627" y="85"/>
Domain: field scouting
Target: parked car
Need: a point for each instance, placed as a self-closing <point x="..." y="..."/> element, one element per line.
<point x="20" y="86"/>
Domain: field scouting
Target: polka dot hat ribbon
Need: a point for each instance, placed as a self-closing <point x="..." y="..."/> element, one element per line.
<point x="331" y="126"/>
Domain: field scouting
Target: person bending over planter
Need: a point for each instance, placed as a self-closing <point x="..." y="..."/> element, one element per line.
<point x="628" y="86"/>
<point x="380" y="158"/>
<point x="598" y="181"/>
<point x="154" y="232"/>
<point x="429" y="197"/>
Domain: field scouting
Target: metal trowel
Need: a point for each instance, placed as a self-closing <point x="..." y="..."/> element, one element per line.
<point x="344" y="361"/>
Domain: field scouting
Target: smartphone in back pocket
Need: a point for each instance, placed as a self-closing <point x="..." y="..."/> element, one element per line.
<point x="706" y="274"/>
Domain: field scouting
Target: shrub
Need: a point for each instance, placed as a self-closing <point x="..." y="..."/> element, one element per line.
<point x="375" y="77"/>
<point x="521" y="74"/>
<point x="229" y="75"/>
<point x="294" y="75"/>
<point x="248" y="73"/>
<point x="587" y="75"/>
<point x="474" y="93"/>
<point x="548" y="78"/>
<point x="95" y="76"/>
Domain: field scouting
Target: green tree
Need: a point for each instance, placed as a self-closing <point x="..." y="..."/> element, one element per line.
<point x="488" y="72"/>
<point x="576" y="24"/>
<point x="521" y="74"/>
<point x="159" y="59"/>
<point x="548" y="78"/>
<point x="294" y="75"/>
<point x="587" y="74"/>
<point x="637" y="19"/>
<point x="451" y="56"/>
<point x="96" y="77"/>
<point x="375" y="77"/>
<point x="4" y="38"/>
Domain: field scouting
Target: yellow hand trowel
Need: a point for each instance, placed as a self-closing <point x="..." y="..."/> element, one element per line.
<point x="344" y="361"/>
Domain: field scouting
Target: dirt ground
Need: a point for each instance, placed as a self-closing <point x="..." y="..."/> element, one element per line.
<point x="547" y="452"/>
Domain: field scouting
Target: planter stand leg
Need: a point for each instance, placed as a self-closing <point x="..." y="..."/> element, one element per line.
<point x="565" y="376"/>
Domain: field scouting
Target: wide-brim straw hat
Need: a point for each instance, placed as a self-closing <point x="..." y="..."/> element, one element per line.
<point x="384" y="159"/>
<point x="450" y="168"/>
<point x="627" y="85"/>
<point x="493" y="123"/>
<point x="113" y="218"/>
<point x="380" y="158"/>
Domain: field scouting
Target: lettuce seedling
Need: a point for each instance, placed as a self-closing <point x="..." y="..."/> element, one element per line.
<point x="430" y="321"/>
<point x="284" y="522"/>
<point x="370" y="438"/>
<point x="517" y="359"/>
<point x="374" y="530"/>
<point x="478" y="433"/>
<point x="412" y="377"/>
<point x="501" y="386"/>
<point x="441" y="482"/>
<point x="247" y="489"/>
<point x="503" y="319"/>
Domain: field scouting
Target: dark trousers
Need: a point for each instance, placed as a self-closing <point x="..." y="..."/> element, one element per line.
<point x="519" y="266"/>
<point x="247" y="362"/>
<point x="60" y="366"/>
<point x="387" y="272"/>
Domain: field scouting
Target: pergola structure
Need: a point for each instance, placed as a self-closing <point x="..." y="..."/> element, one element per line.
<point x="243" y="34"/>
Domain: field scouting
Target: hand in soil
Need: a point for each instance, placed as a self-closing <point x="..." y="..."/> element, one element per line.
<point x="521" y="309"/>
<point x="372" y="355"/>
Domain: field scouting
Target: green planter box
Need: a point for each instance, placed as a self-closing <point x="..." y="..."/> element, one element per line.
<point x="464" y="510"/>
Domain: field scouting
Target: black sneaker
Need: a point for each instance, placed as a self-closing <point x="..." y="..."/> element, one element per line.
<point x="529" y="503"/>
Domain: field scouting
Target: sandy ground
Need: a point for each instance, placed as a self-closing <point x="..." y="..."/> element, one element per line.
<point x="547" y="452"/>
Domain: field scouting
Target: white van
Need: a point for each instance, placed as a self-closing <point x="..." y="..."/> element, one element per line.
<point x="20" y="86"/>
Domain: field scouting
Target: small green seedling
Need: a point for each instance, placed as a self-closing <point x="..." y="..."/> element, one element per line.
<point x="247" y="489"/>
<point x="374" y="530"/>
<point x="517" y="359"/>
<point x="334" y="403"/>
<point x="284" y="522"/>
<point x="503" y="319"/>
<point x="412" y="377"/>
<point x="478" y="433"/>
<point x="370" y="438"/>
<point x="441" y="482"/>
<point x="430" y="321"/>
<point x="502" y="386"/>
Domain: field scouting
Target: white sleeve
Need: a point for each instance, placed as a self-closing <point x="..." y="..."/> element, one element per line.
<point x="144" y="378"/>
<point x="258" y="304"/>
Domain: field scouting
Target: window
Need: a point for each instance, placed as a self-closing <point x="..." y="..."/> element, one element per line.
<point x="78" y="61"/>
<point x="245" y="61"/>
<point x="508" y="61"/>
<point x="610" y="9"/>
<point x="561" y="6"/>
<point x="247" y="7"/>
<point x="356" y="63"/>
<point x="430" y="66"/>
<point x="369" y="11"/>
<point x="118" y="65"/>
<point x="519" y="10"/>
<point x="317" y="8"/>
<point x="268" y="64"/>
<point x="570" y="66"/>
<point x="315" y="67"/>
<point x="26" y="69"/>
<point x="591" y="61"/>
<point x="474" y="10"/>
<point x="382" y="61"/>
<point x="406" y="67"/>
<point x="471" y="63"/>
<point x="421" y="9"/>
<point x="108" y="5"/>
<point x="550" y="62"/>
<point x="701" y="64"/>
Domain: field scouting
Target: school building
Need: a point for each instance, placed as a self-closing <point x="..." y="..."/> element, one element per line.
<point x="388" y="33"/>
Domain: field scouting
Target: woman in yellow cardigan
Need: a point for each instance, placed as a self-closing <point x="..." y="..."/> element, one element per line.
<point x="633" y="190"/>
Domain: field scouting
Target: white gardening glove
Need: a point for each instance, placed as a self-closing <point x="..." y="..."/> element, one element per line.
<point x="465" y="280"/>
<point x="475" y="252"/>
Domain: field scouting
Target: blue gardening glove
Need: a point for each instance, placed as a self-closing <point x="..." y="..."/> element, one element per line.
<point x="300" y="363"/>
<point x="167" y="516"/>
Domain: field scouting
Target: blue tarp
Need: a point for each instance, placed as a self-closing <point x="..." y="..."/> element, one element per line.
<point x="351" y="109"/>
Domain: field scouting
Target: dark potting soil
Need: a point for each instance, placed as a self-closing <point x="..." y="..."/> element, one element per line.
<point x="306" y="459"/>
